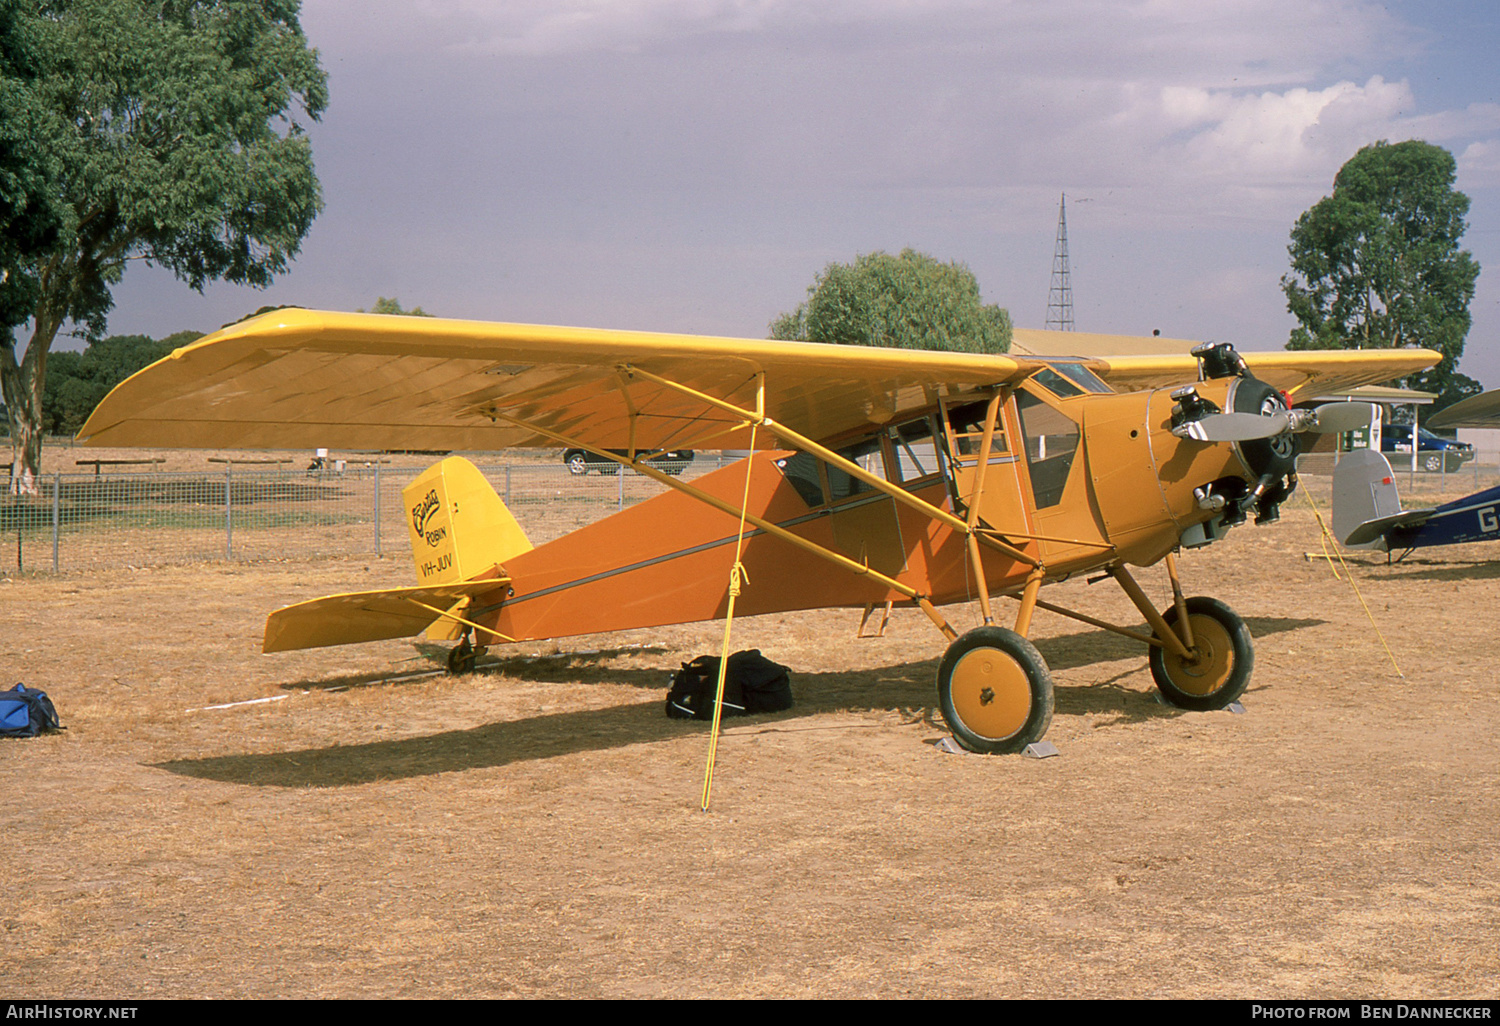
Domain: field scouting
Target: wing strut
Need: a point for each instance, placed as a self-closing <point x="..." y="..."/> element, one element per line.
<point x="851" y="468"/>
<point x="736" y="576"/>
<point x="757" y="418"/>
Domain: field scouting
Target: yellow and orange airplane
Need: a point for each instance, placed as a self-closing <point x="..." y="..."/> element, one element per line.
<point x="876" y="476"/>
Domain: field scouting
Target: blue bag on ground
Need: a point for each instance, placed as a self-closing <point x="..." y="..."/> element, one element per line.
<point x="26" y="712"/>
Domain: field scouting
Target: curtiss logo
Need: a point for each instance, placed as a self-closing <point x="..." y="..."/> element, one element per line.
<point x="423" y="511"/>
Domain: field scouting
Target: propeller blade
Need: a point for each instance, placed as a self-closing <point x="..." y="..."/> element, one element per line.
<point x="1233" y="427"/>
<point x="1339" y="417"/>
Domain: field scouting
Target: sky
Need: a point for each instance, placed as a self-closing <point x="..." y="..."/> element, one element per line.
<point x="691" y="165"/>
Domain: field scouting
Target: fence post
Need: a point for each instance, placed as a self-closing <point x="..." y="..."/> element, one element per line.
<point x="56" y="492"/>
<point x="620" y="478"/>
<point x="377" y="509"/>
<point x="228" y="511"/>
<point x="507" y="484"/>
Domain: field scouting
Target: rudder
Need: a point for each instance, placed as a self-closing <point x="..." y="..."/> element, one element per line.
<point x="1364" y="490"/>
<point x="459" y="528"/>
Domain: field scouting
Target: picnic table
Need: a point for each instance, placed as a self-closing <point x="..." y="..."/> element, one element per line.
<point x="97" y="463"/>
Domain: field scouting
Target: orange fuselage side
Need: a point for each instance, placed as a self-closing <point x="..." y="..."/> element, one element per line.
<point x="667" y="560"/>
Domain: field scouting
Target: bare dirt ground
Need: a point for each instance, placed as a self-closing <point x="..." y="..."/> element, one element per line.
<point x="533" y="829"/>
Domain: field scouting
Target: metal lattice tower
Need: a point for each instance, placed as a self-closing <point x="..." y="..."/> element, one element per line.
<point x="1060" y="294"/>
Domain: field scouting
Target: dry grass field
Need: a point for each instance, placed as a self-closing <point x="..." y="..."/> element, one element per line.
<point x="533" y="830"/>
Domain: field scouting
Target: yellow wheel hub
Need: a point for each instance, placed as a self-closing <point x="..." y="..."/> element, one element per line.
<point x="1214" y="662"/>
<point x="990" y="692"/>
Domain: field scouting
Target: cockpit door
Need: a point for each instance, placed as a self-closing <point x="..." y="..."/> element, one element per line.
<point x="1063" y="507"/>
<point x="1002" y="505"/>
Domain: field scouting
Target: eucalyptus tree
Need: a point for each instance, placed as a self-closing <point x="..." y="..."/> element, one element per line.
<point x="1377" y="264"/>
<point x="175" y="135"/>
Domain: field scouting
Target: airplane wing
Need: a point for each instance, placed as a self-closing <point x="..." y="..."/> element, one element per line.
<point x="299" y="378"/>
<point x="1300" y="374"/>
<point x="1477" y="411"/>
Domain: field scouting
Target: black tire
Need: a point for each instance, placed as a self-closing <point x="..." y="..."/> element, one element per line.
<point x="1226" y="658"/>
<point x="578" y="462"/>
<point x="995" y="691"/>
<point x="1432" y="462"/>
<point x="461" y="657"/>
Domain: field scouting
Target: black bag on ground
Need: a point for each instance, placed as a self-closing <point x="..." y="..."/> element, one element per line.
<point x="26" y="712"/>
<point x="753" y="684"/>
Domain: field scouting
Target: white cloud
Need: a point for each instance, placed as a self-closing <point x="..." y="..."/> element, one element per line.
<point x="1270" y="136"/>
<point x="1479" y="163"/>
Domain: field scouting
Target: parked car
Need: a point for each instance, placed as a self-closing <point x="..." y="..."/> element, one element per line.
<point x="1434" y="452"/>
<point x="668" y="461"/>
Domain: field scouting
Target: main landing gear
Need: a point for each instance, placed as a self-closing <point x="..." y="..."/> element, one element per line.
<point x="1222" y="658"/>
<point x="995" y="690"/>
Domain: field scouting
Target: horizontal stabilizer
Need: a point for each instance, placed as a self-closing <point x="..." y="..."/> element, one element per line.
<point x="369" y="615"/>
<point x="1374" y="530"/>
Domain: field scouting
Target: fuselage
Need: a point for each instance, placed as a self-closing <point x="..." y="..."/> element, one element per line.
<point x="1470" y="519"/>
<point x="1071" y="483"/>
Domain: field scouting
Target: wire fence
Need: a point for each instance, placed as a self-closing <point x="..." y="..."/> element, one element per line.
<point x="129" y="517"/>
<point x="133" y="517"/>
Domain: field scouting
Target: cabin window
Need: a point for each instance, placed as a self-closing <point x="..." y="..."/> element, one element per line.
<point x="1082" y="377"/>
<point x="966" y="424"/>
<point x="914" y="451"/>
<point x="1051" y="443"/>
<point x="866" y="454"/>
<point x="801" y="471"/>
<point x="1068" y="380"/>
<point x="913" y="456"/>
<point x="1056" y="383"/>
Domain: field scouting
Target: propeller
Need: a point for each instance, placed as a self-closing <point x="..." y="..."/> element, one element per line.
<point x="1337" y="417"/>
<point x="1244" y="427"/>
<point x="1233" y="427"/>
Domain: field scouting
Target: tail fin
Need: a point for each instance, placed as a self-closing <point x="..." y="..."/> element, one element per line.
<point x="459" y="528"/>
<point x="1365" y="502"/>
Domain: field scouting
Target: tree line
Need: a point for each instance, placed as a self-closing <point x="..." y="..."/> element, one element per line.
<point x="77" y="381"/>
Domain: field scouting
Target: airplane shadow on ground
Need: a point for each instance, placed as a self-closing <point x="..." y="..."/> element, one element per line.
<point x="1438" y="570"/>
<point x="581" y="667"/>
<point x="907" y="689"/>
